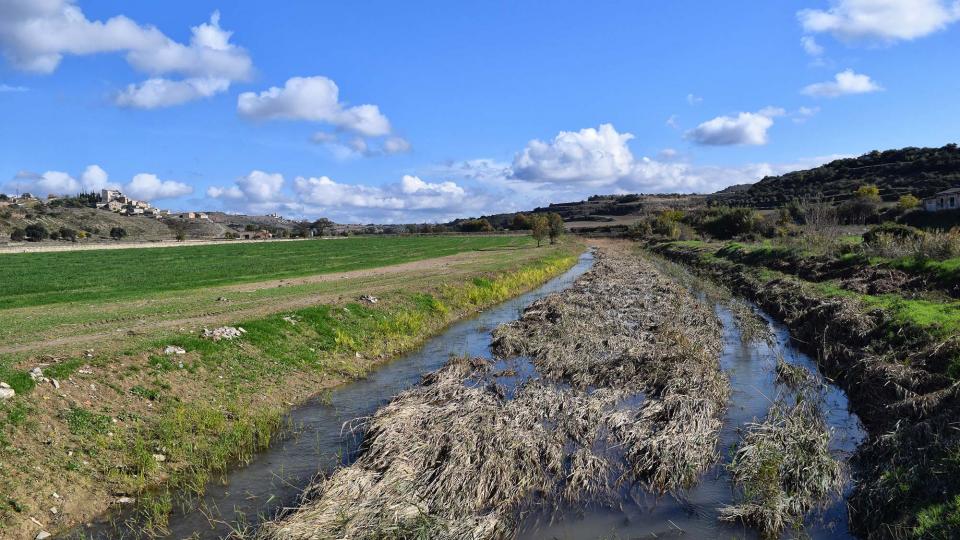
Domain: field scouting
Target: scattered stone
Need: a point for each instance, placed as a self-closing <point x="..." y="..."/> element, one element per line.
<point x="160" y="458"/>
<point x="291" y="319"/>
<point x="88" y="353"/>
<point x="36" y="374"/>
<point x="224" y="332"/>
<point x="54" y="510"/>
<point x="173" y="349"/>
<point x="221" y="299"/>
<point x="6" y="392"/>
<point x="369" y="299"/>
<point x="55" y="383"/>
<point x="43" y="535"/>
<point x="85" y="372"/>
<point x="359" y="355"/>
<point x="126" y="500"/>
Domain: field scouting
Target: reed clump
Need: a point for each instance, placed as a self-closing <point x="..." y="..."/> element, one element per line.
<point x="784" y="468"/>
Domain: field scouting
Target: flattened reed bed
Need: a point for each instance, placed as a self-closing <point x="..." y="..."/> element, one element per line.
<point x="456" y="458"/>
<point x="626" y="325"/>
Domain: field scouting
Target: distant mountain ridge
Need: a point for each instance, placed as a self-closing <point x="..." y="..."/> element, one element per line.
<point x="918" y="171"/>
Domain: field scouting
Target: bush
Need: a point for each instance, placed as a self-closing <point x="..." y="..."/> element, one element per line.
<point x="893" y="229"/>
<point x="475" y="225"/>
<point x="858" y="211"/>
<point x="908" y="202"/>
<point x="36" y="232"/>
<point x="935" y="245"/>
<point x="117" y="233"/>
<point x="18" y="235"/>
<point x="67" y="233"/>
<point x="726" y="223"/>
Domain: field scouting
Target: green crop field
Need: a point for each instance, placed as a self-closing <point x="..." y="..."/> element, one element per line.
<point x="34" y="279"/>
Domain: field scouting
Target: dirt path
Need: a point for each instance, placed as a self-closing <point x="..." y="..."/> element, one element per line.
<point x="370" y="280"/>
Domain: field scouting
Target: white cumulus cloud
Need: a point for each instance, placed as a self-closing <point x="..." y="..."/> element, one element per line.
<point x="844" y="83"/>
<point x="746" y="128"/>
<point x="159" y="92"/>
<point x="148" y="186"/>
<point x="315" y="99"/>
<point x="35" y="35"/>
<point x="881" y="20"/>
<point x="594" y="155"/>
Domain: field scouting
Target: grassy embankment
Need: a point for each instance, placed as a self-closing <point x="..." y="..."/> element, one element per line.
<point x="894" y="349"/>
<point x="98" y="436"/>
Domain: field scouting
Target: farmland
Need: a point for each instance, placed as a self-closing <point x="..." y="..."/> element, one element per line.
<point x="119" y="400"/>
<point x="33" y="279"/>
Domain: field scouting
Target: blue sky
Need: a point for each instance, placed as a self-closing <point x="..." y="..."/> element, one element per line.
<point x="424" y="111"/>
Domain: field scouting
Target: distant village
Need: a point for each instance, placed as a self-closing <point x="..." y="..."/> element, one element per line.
<point x="115" y="201"/>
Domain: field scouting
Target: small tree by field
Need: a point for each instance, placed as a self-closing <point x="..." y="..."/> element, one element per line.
<point x="555" y="227"/>
<point x="908" y="202"/>
<point x="181" y="235"/>
<point x="18" y="235"/>
<point x="539" y="228"/>
<point x="118" y="233"/>
<point x="36" y="232"/>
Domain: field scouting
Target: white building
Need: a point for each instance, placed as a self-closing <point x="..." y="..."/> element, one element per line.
<point x="948" y="199"/>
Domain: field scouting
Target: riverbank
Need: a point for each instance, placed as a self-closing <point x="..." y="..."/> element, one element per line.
<point x="135" y="423"/>
<point x="895" y="356"/>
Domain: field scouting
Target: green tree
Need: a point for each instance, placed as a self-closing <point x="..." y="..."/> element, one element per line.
<point x="539" y="228"/>
<point x="18" y="235"/>
<point x="556" y="228"/>
<point x="181" y="235"/>
<point x="117" y="233"/>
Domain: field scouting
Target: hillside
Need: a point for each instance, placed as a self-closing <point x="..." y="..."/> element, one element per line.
<point x="919" y="171"/>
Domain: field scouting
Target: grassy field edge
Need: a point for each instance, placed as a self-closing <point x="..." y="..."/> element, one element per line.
<point x="191" y="417"/>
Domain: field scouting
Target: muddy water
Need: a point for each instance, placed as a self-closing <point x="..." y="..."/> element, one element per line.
<point x="275" y="478"/>
<point x="750" y="367"/>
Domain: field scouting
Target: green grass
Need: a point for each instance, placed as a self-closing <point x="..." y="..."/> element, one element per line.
<point x="32" y="279"/>
<point x="940" y="318"/>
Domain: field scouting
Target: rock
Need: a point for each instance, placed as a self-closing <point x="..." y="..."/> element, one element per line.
<point x="43" y="535"/>
<point x="4" y="385"/>
<point x="36" y="374"/>
<point x="224" y="332"/>
<point x="370" y="299"/>
<point x="160" y="458"/>
<point x="291" y="319"/>
<point x="125" y="500"/>
<point x="7" y="393"/>
<point x="173" y="349"/>
<point x="221" y="299"/>
<point x="54" y="510"/>
<point x="55" y="383"/>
